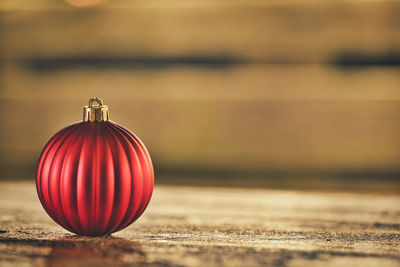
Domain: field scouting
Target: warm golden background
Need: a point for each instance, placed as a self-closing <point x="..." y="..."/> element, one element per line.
<point x="279" y="94"/>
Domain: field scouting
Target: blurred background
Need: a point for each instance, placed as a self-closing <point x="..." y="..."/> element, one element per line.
<point x="282" y="94"/>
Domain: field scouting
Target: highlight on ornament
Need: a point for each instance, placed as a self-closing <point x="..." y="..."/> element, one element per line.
<point x="94" y="177"/>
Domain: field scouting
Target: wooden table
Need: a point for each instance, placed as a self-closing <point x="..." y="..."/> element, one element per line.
<point x="190" y="226"/>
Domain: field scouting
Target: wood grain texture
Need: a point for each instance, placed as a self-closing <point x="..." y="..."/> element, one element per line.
<point x="186" y="226"/>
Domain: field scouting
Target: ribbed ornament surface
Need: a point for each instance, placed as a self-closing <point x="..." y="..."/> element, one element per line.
<point x="94" y="178"/>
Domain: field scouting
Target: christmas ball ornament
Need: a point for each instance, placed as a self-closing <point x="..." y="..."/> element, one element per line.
<point x="94" y="177"/>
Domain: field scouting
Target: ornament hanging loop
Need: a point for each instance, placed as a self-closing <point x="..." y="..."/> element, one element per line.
<point x="95" y="99"/>
<point x="95" y="111"/>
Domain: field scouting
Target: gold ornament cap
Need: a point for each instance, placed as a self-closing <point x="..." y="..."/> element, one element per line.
<point x="95" y="111"/>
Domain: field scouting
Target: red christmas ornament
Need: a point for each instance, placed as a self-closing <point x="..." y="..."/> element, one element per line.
<point x="94" y="177"/>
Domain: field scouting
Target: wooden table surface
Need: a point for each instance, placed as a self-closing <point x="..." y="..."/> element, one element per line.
<point x="189" y="226"/>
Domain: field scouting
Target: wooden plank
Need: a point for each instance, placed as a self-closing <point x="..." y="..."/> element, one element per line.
<point x="262" y="31"/>
<point x="217" y="227"/>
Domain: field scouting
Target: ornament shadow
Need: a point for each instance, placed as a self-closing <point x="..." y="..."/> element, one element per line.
<point x="94" y="251"/>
